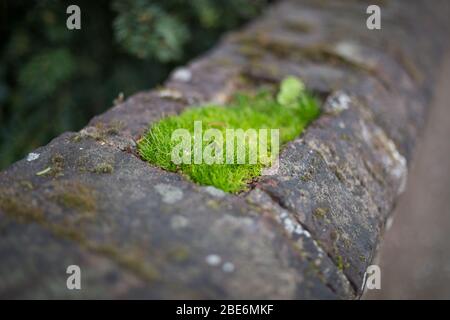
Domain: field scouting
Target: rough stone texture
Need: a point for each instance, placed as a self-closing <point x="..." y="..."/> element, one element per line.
<point x="308" y="231"/>
<point x="414" y="256"/>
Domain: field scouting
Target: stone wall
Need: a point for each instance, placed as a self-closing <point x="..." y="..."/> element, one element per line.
<point x="309" y="231"/>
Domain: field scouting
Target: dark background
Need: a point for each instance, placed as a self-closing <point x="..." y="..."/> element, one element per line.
<point x="53" y="79"/>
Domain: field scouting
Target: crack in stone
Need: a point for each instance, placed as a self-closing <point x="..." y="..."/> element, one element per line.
<point x="279" y="202"/>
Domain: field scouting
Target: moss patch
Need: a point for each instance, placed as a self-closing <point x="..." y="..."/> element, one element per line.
<point x="103" y="168"/>
<point x="290" y="111"/>
<point x="55" y="168"/>
<point x="21" y="209"/>
<point x="74" y="195"/>
<point x="16" y="207"/>
<point x="320" y="213"/>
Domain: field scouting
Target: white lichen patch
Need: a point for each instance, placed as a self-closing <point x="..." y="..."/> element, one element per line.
<point x="32" y="156"/>
<point x="353" y="52"/>
<point x="214" y="192"/>
<point x="179" y="222"/>
<point x="213" y="260"/>
<point x="392" y="160"/>
<point x="182" y="75"/>
<point x="228" y="267"/>
<point x="170" y="194"/>
<point x="338" y="102"/>
<point x="291" y="226"/>
<point x="347" y="49"/>
<point x="302" y="232"/>
<point x="168" y="93"/>
<point x="389" y="222"/>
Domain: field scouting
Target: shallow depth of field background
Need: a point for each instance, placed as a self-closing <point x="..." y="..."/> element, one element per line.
<point x="54" y="80"/>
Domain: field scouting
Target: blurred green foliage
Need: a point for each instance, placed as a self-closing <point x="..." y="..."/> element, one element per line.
<point x="53" y="79"/>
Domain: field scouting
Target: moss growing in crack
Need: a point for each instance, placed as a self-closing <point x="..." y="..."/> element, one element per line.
<point x="340" y="263"/>
<point x="290" y="112"/>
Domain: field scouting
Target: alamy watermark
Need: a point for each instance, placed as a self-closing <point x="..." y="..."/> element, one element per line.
<point x="236" y="146"/>
<point x="372" y="278"/>
<point x="373" y="22"/>
<point x="73" y="22"/>
<point x="74" y="280"/>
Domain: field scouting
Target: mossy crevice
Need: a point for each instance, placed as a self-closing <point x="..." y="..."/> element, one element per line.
<point x="290" y="111"/>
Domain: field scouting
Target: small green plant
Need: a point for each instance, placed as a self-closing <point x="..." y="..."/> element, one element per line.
<point x="290" y="112"/>
<point x="291" y="90"/>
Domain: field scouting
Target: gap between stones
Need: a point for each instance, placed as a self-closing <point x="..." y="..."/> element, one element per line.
<point x="278" y="202"/>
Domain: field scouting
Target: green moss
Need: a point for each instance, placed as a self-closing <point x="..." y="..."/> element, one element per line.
<point x="298" y="26"/>
<point x="338" y="173"/>
<point x="74" y="195"/>
<point x="132" y="260"/>
<point x="77" y="137"/>
<point x="100" y="131"/>
<point x="113" y="128"/>
<point x="18" y="208"/>
<point x="410" y="66"/>
<point x="55" y="168"/>
<point x="340" y="263"/>
<point x="320" y="213"/>
<point x="103" y="168"/>
<point x="290" y="112"/>
<point x="82" y="163"/>
<point x="179" y="253"/>
<point x="213" y="204"/>
<point x="26" y="185"/>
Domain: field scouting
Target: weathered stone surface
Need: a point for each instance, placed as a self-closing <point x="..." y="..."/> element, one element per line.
<point x="34" y="263"/>
<point x="180" y="240"/>
<point x="308" y="231"/>
<point x="340" y="181"/>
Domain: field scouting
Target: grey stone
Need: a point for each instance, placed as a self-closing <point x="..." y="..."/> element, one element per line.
<point x="307" y="231"/>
